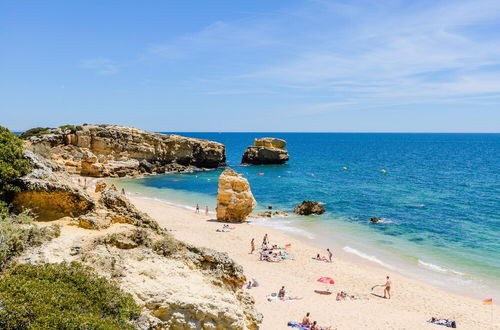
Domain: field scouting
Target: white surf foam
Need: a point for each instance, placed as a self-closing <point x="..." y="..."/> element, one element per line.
<point x="367" y="257"/>
<point x="439" y="269"/>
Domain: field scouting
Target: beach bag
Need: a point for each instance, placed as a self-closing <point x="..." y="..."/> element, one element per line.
<point x="453" y="324"/>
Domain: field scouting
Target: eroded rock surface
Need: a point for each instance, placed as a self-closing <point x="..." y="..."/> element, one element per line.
<point x="49" y="192"/>
<point x="110" y="150"/>
<point x="235" y="200"/>
<point x="266" y="151"/>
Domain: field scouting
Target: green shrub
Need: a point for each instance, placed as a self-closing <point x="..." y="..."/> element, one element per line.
<point x="166" y="246"/>
<point x="37" y="131"/>
<point x="17" y="233"/>
<point x="12" y="165"/>
<point x="72" y="128"/>
<point x="62" y="296"/>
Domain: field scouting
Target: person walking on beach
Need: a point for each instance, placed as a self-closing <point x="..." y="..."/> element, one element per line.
<point x="197" y="208"/>
<point x="265" y="241"/>
<point x="387" y="289"/>
<point x="330" y="254"/>
<point x="252" y="246"/>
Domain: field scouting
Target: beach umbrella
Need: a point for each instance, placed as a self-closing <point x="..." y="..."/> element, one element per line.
<point x="326" y="280"/>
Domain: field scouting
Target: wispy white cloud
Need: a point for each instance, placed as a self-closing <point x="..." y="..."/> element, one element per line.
<point x="102" y="66"/>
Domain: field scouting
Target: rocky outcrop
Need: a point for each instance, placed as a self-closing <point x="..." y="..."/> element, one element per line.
<point x="266" y="151"/>
<point x="309" y="207"/>
<point x="49" y="192"/>
<point x="110" y="150"/>
<point x="269" y="214"/>
<point x="163" y="285"/>
<point x="234" y="199"/>
<point x="375" y="219"/>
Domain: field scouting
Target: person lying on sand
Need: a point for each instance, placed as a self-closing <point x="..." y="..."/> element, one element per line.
<point x="443" y="322"/>
<point x="320" y="258"/>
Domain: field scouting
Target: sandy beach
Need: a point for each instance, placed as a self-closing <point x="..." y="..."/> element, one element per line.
<point x="412" y="303"/>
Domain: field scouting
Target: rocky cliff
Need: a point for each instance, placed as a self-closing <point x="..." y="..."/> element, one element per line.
<point x="110" y="150"/>
<point x="179" y="286"/>
<point x="234" y="199"/>
<point x="266" y="151"/>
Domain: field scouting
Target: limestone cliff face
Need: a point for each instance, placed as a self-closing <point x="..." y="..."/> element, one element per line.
<point x="266" y="151"/>
<point x="234" y="199"/>
<point x="49" y="192"/>
<point x="110" y="150"/>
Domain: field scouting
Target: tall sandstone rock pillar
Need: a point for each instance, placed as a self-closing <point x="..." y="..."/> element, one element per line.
<point x="234" y="199"/>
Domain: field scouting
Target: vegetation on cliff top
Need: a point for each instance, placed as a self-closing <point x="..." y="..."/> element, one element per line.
<point x="39" y="131"/>
<point x="12" y="166"/>
<point x="62" y="296"/>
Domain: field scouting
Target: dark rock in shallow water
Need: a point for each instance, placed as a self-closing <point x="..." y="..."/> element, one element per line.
<point x="264" y="156"/>
<point x="375" y="219"/>
<point x="309" y="207"/>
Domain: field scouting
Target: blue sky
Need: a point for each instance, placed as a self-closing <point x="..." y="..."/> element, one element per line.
<point x="355" y="66"/>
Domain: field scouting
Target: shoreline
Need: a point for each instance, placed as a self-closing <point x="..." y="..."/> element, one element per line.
<point x="345" y="244"/>
<point x="417" y="300"/>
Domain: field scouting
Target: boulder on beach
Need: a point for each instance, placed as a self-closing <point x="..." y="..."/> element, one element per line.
<point x="234" y="199"/>
<point x="309" y="207"/>
<point x="266" y="151"/>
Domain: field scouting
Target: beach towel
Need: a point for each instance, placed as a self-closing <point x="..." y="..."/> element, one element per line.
<point x="444" y="322"/>
<point x="298" y="325"/>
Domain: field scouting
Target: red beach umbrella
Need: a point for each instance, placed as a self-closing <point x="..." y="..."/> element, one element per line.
<point x="326" y="280"/>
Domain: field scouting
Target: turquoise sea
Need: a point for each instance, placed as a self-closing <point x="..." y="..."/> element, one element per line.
<point x="440" y="198"/>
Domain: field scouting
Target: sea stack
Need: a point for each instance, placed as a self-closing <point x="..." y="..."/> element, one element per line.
<point x="234" y="200"/>
<point x="266" y="150"/>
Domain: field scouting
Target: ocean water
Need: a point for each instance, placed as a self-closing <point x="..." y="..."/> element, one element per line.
<point x="439" y="198"/>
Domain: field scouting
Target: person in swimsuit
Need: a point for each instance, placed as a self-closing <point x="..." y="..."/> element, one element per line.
<point x="281" y="293"/>
<point x="197" y="208"/>
<point x="306" y="320"/>
<point x="206" y="210"/>
<point x="387" y="289"/>
<point x="330" y="255"/>
<point x="252" y="246"/>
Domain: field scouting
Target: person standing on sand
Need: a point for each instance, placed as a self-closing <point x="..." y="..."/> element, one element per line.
<point x="265" y="241"/>
<point x="123" y="191"/>
<point x="281" y="293"/>
<point x="387" y="289"/>
<point x="252" y="246"/>
<point x="330" y="254"/>
<point x="206" y="210"/>
<point x="197" y="208"/>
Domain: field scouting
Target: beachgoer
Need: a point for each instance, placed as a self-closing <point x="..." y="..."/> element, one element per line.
<point x="197" y="208"/>
<point x="249" y="285"/>
<point x="330" y="254"/>
<point x="255" y="283"/>
<point x="123" y="191"/>
<point x="387" y="289"/>
<point x="265" y="240"/>
<point x="314" y="326"/>
<point x="306" y="320"/>
<point x="252" y="246"/>
<point x="206" y="210"/>
<point x="281" y="293"/>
